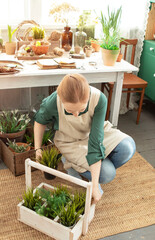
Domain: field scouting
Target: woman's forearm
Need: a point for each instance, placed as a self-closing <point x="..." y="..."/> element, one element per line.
<point x="39" y="130"/>
<point x="95" y="173"/>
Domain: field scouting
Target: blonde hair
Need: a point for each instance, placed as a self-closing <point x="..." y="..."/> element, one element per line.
<point x="73" y="88"/>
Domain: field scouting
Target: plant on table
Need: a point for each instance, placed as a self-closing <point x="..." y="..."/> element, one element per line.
<point x="10" y="46"/>
<point x="111" y="35"/>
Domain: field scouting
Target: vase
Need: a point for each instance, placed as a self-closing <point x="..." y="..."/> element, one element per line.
<point x="67" y="36"/>
<point x="79" y="38"/>
<point x="109" y="57"/>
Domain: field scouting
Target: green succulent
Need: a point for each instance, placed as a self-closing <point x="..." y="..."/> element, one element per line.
<point x="16" y="148"/>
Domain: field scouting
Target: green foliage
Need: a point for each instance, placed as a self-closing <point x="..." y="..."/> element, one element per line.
<point x="79" y="200"/>
<point x="10" y="33"/>
<point x="47" y="137"/>
<point x="68" y="215"/>
<point x="38" y="33"/>
<point x="13" y="121"/>
<point x="50" y="157"/>
<point x="110" y="27"/>
<point x="88" y="42"/>
<point x="30" y="139"/>
<point x="30" y="199"/>
<point x="16" y="148"/>
<point x="52" y="202"/>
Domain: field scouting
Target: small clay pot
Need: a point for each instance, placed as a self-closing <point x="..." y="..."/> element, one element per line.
<point x="119" y="58"/>
<point x="77" y="49"/>
<point x="88" y="52"/>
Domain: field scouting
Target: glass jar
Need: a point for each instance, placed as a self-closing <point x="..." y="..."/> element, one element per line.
<point x="67" y="36"/>
<point x="79" y="38"/>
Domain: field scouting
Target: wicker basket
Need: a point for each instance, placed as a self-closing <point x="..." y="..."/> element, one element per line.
<point x="25" y="36"/>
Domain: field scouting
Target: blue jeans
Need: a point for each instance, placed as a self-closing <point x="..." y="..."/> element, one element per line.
<point x="121" y="154"/>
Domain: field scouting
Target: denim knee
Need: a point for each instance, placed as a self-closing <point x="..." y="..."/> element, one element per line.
<point x="123" y="152"/>
<point x="108" y="171"/>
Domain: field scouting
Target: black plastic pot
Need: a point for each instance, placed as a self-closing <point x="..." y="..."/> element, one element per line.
<point x="49" y="176"/>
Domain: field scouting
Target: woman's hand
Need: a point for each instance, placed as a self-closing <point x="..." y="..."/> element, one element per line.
<point x="96" y="195"/>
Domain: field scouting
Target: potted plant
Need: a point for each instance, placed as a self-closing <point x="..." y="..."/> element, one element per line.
<point x="111" y="36"/>
<point x="87" y="48"/>
<point x="50" y="158"/>
<point x="95" y="44"/>
<point x="10" y="46"/>
<point x="18" y="147"/>
<point x="13" y="125"/>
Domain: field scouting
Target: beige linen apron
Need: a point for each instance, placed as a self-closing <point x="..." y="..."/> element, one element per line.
<point x="72" y="137"/>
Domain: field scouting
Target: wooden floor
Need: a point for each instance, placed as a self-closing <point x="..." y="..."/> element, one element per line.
<point x="144" y="136"/>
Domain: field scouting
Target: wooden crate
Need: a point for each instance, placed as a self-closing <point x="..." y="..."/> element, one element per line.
<point x="51" y="227"/>
<point x="16" y="163"/>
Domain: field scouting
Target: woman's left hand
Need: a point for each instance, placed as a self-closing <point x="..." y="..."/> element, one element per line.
<point x="96" y="195"/>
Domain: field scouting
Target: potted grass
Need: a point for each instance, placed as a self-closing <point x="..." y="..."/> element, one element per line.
<point x="13" y="125"/>
<point x="10" y="46"/>
<point x="50" y="158"/>
<point x="111" y="36"/>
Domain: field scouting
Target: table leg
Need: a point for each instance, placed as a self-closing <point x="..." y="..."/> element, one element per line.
<point x="116" y="99"/>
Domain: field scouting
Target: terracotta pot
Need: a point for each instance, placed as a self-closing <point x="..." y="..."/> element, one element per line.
<point x="119" y="58"/>
<point x="88" y="52"/>
<point x="19" y="144"/>
<point x="10" y="48"/>
<point x="77" y="49"/>
<point x="95" y="45"/>
<point x="109" y="57"/>
<point x="38" y="50"/>
<point x="18" y="136"/>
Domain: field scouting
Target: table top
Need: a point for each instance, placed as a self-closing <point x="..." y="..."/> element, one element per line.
<point x="82" y="66"/>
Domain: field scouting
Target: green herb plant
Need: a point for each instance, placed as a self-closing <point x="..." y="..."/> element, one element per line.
<point x="13" y="121"/>
<point x="10" y="33"/>
<point x="110" y="26"/>
<point x="52" y="202"/>
<point x="31" y="199"/>
<point x="16" y="148"/>
<point x="38" y="33"/>
<point x="50" y="157"/>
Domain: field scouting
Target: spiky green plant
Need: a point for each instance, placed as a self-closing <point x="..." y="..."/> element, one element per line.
<point x="68" y="215"/>
<point x="13" y="121"/>
<point x="16" y="148"/>
<point x="110" y="27"/>
<point x="10" y="33"/>
<point x="30" y="199"/>
<point x="47" y="137"/>
<point x="38" y="33"/>
<point x="79" y="200"/>
<point x="50" y="157"/>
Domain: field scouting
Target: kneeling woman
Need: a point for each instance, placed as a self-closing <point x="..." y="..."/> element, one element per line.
<point x="89" y="145"/>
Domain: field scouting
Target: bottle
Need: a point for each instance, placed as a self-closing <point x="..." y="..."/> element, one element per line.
<point x="79" y="38"/>
<point x="67" y="36"/>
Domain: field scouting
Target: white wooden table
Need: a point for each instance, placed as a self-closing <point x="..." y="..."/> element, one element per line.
<point x="32" y="76"/>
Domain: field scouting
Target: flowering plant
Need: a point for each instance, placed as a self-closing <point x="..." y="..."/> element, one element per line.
<point x="61" y="12"/>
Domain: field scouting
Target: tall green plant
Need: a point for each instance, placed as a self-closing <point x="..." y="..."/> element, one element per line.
<point x="38" y="33"/>
<point x="10" y="33"/>
<point x="110" y="26"/>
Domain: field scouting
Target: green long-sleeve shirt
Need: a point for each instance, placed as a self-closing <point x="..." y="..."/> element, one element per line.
<point x="48" y="113"/>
